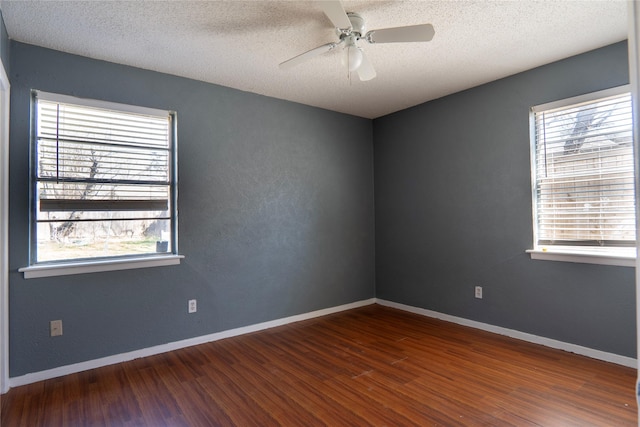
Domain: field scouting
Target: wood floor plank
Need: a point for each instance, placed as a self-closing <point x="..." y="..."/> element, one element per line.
<point x="372" y="366"/>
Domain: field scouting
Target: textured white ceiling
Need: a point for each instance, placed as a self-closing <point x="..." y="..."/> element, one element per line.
<point x="240" y="43"/>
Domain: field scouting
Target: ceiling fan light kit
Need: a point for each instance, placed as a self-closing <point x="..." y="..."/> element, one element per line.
<point x="350" y="28"/>
<point x="354" y="55"/>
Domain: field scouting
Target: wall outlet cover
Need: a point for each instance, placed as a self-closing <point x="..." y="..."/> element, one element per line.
<point x="55" y="327"/>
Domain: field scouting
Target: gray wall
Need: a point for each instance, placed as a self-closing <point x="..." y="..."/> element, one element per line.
<point x="276" y="217"/>
<point x="453" y="210"/>
<point x="4" y="45"/>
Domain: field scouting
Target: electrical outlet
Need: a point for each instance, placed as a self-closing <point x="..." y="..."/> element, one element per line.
<point x="55" y="326"/>
<point x="479" y="292"/>
<point x="193" y="306"/>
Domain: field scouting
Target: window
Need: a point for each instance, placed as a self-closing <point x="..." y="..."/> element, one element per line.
<point x="583" y="174"/>
<point x="103" y="181"/>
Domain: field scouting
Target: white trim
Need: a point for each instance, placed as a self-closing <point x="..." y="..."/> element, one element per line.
<point x="583" y="257"/>
<point x="176" y="345"/>
<point x="95" y="266"/>
<point x="145" y="352"/>
<point x="5" y="88"/>
<point x="634" y="78"/>
<point x="105" y="105"/>
<point x="582" y="99"/>
<point x="547" y="342"/>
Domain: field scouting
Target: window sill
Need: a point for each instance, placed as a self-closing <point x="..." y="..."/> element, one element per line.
<point x="624" y="258"/>
<point x="81" y="267"/>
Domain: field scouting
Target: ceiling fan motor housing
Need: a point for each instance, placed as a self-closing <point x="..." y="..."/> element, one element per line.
<point x="357" y="23"/>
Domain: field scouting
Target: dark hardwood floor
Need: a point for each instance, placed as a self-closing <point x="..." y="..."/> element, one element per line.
<point x="369" y="366"/>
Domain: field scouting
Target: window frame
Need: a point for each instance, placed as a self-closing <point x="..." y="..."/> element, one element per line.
<point x="617" y="256"/>
<point x="37" y="269"/>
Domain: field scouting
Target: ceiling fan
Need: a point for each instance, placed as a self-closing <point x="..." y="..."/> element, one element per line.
<point x="350" y="28"/>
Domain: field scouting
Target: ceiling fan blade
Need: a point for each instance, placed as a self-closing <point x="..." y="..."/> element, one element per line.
<point x="413" y="33"/>
<point x="299" y="59"/>
<point x="336" y="14"/>
<point x="366" y="71"/>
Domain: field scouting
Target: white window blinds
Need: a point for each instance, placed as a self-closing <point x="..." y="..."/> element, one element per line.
<point x="583" y="173"/>
<point x="98" y="159"/>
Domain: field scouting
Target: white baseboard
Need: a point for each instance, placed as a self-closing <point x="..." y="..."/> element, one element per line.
<point x="163" y="348"/>
<point x="548" y="342"/>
